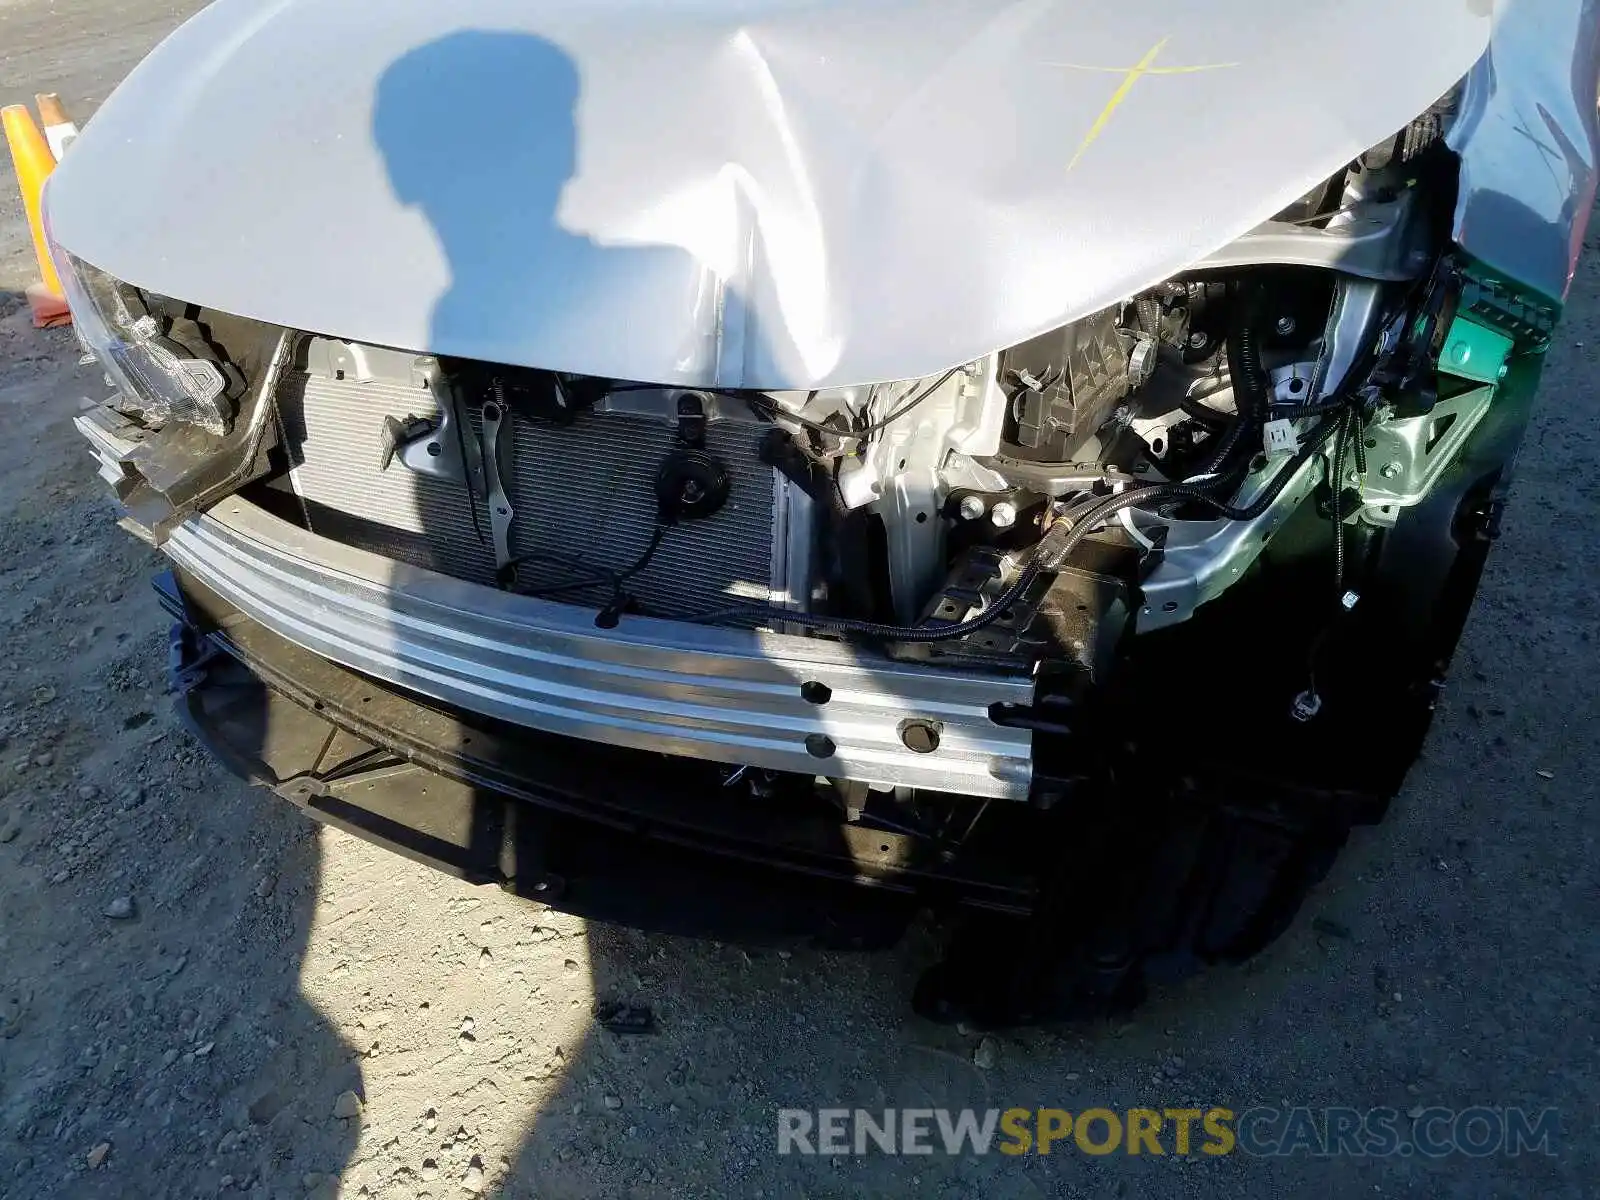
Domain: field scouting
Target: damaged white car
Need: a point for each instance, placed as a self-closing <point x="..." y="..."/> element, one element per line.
<point x="771" y="469"/>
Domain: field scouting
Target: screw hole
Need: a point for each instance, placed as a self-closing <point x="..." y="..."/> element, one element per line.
<point x="1170" y="606"/>
<point x="813" y="692"/>
<point x="922" y="518"/>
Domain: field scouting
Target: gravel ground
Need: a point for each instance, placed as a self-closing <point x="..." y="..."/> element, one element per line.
<point x="203" y="994"/>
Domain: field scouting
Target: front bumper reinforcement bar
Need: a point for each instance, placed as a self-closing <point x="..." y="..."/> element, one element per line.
<point x="725" y="695"/>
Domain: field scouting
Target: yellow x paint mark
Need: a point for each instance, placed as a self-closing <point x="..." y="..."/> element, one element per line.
<point x="1130" y="76"/>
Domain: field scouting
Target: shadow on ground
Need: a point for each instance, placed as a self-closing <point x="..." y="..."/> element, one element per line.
<point x="154" y="912"/>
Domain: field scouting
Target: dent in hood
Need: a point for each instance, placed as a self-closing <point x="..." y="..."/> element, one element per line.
<point x="800" y="193"/>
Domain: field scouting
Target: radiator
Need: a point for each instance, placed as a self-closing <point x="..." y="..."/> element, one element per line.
<point x="584" y="492"/>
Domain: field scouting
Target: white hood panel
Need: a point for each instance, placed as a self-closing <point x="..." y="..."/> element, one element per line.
<point x="772" y="193"/>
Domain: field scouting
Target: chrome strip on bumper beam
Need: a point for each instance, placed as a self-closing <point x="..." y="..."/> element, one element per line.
<point x="727" y="695"/>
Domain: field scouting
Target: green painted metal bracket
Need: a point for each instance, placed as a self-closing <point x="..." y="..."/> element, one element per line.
<point x="1472" y="350"/>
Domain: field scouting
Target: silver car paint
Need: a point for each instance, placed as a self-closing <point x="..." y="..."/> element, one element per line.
<point x="794" y="193"/>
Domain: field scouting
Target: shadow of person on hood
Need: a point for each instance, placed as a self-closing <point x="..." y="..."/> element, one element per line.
<point x="478" y="131"/>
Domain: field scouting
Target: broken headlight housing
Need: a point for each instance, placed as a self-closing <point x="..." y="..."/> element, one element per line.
<point x="144" y="353"/>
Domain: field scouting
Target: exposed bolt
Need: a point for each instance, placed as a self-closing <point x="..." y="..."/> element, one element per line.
<point x="1003" y="514"/>
<point x="1390" y="470"/>
<point x="973" y="507"/>
<point x="1349" y="600"/>
<point x="1284" y="326"/>
<point x="1198" y="340"/>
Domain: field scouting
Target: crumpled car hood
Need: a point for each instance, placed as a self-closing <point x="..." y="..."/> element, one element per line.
<point x="775" y="193"/>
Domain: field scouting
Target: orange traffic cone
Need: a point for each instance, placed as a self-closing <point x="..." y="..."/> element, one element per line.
<point x="59" y="129"/>
<point x="34" y="162"/>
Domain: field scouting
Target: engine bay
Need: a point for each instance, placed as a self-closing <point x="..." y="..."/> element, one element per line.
<point x="1037" y="505"/>
<point x="1034" y="504"/>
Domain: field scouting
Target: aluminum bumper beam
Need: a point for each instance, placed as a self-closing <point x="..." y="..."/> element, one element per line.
<point x="725" y="695"/>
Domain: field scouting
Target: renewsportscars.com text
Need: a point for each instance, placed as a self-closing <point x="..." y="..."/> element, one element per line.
<point x="1213" y="1131"/>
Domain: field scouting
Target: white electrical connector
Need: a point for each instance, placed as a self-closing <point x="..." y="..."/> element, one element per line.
<point x="1279" y="437"/>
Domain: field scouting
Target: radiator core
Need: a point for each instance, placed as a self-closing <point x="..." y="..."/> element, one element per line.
<point x="583" y="496"/>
